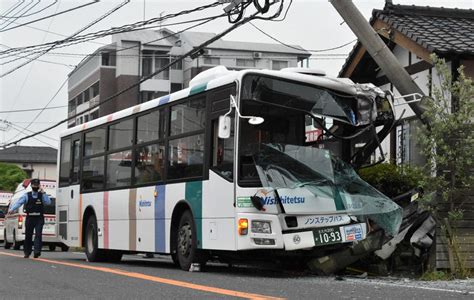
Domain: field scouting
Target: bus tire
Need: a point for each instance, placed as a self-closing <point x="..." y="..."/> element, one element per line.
<point x="64" y="248"/>
<point x="16" y="244"/>
<point x="6" y="244"/>
<point x="186" y="247"/>
<point x="52" y="247"/>
<point x="93" y="253"/>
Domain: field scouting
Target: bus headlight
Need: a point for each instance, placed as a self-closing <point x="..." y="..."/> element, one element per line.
<point x="261" y="227"/>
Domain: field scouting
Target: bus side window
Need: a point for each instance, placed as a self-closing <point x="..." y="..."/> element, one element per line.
<point x="65" y="162"/>
<point x="223" y="152"/>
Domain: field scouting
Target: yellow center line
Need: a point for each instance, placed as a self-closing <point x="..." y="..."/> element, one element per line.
<point x="162" y="280"/>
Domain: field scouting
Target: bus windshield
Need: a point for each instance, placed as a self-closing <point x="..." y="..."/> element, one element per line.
<point x="324" y="182"/>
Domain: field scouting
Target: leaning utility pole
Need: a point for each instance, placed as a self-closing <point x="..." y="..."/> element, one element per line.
<point x="380" y="53"/>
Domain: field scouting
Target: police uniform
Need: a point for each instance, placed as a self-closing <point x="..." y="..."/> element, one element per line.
<point x="34" y="209"/>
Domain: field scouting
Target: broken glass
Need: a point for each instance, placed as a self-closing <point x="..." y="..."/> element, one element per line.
<point x="307" y="180"/>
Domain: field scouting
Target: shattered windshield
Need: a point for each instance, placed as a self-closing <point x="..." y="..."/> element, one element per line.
<point x="323" y="181"/>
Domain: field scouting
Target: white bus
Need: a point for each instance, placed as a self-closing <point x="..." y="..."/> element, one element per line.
<point x="225" y="169"/>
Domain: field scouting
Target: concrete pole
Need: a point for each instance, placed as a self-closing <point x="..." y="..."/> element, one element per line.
<point x="379" y="52"/>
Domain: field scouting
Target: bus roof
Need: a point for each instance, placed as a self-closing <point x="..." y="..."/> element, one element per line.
<point x="215" y="80"/>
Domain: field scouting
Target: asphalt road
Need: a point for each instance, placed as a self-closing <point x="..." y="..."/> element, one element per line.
<point x="58" y="275"/>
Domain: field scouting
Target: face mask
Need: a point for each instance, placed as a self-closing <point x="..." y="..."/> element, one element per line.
<point x="35" y="189"/>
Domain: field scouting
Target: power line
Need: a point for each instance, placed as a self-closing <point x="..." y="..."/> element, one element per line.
<point x="8" y="22"/>
<point x="302" y="49"/>
<point x="74" y="34"/>
<point x="13" y="7"/>
<point x="31" y="109"/>
<point x="114" y="30"/>
<point x="36" y="12"/>
<point x="40" y="60"/>
<point x="53" y="15"/>
<point x="35" y="138"/>
<point x="31" y="131"/>
<point x="192" y="52"/>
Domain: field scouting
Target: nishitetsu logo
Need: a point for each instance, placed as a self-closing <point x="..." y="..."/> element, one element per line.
<point x="284" y="200"/>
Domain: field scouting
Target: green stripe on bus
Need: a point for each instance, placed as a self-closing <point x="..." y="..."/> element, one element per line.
<point x="198" y="89"/>
<point x="194" y="197"/>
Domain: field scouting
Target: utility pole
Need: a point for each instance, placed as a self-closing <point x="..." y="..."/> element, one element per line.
<point x="380" y="53"/>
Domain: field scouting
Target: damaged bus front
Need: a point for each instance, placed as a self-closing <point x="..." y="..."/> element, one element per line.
<point x="299" y="138"/>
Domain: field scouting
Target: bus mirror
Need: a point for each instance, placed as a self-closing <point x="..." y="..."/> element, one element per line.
<point x="224" y="127"/>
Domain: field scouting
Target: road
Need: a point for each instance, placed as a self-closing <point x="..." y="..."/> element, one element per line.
<point x="58" y="275"/>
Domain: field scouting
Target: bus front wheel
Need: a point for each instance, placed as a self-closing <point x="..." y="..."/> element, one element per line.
<point x="93" y="253"/>
<point x="186" y="247"/>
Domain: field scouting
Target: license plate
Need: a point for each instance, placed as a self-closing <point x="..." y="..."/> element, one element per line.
<point x="339" y="234"/>
<point x="327" y="236"/>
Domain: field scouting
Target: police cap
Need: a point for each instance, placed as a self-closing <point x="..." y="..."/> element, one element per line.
<point x="35" y="181"/>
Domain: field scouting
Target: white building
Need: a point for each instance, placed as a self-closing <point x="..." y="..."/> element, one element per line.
<point x="133" y="55"/>
<point x="37" y="162"/>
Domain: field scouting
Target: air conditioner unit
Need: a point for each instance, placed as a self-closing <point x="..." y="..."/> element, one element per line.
<point x="257" y="55"/>
<point x="207" y="52"/>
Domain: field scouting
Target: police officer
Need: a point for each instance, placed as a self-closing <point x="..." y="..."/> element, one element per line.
<point x="34" y="202"/>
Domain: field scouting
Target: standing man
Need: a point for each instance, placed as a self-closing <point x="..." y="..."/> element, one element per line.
<point x="34" y="207"/>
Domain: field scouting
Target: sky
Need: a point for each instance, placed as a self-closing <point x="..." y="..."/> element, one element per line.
<point x="312" y="24"/>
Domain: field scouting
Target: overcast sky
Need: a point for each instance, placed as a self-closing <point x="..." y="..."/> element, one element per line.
<point x="312" y="24"/>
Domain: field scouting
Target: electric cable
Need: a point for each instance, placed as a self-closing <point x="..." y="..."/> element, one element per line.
<point x="15" y="17"/>
<point x="113" y="30"/>
<point x="74" y="34"/>
<point x="36" y="12"/>
<point x="191" y="53"/>
<point x="31" y="109"/>
<point x="302" y="49"/>
<point x="50" y="16"/>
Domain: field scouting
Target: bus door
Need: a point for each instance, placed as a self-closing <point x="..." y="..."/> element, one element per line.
<point x="69" y="199"/>
<point x="219" y="191"/>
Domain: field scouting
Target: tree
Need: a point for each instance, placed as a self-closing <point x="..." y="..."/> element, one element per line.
<point x="10" y="176"/>
<point x="448" y="144"/>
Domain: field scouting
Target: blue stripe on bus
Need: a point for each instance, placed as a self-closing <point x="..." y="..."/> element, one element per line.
<point x="164" y="100"/>
<point x="160" y="235"/>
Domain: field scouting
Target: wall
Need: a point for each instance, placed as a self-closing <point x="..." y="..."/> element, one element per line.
<point x="40" y="170"/>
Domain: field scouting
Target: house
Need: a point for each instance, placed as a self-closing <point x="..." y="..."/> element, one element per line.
<point x="133" y="55"/>
<point x="37" y="162"/>
<point x="413" y="33"/>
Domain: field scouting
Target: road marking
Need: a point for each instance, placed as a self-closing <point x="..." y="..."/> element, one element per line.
<point x="183" y="284"/>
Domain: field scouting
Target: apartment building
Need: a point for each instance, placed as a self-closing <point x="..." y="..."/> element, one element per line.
<point x="132" y="55"/>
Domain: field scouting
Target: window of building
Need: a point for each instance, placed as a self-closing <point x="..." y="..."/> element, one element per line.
<point x="176" y="87"/>
<point x="95" y="89"/>
<point x="212" y="61"/>
<point x="147" y="63"/>
<point x="121" y="135"/>
<point x="189" y="116"/>
<point x="94" y="142"/>
<point x="80" y="99"/>
<point x="186" y="157"/>
<point x="106" y="59"/>
<point x="93" y="173"/>
<point x="94" y="115"/>
<point x="178" y="65"/>
<point x="86" y="95"/>
<point x="149" y="163"/>
<point x="150" y="127"/>
<point x="279" y="64"/>
<point x="119" y="169"/>
<point x="160" y="62"/>
<point x="65" y="162"/>
<point x="244" y="62"/>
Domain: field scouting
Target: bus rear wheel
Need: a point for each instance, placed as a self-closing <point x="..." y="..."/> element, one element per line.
<point x="186" y="247"/>
<point x="93" y="253"/>
<point x="6" y="244"/>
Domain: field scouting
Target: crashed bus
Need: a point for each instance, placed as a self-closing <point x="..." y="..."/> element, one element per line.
<point x="242" y="165"/>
